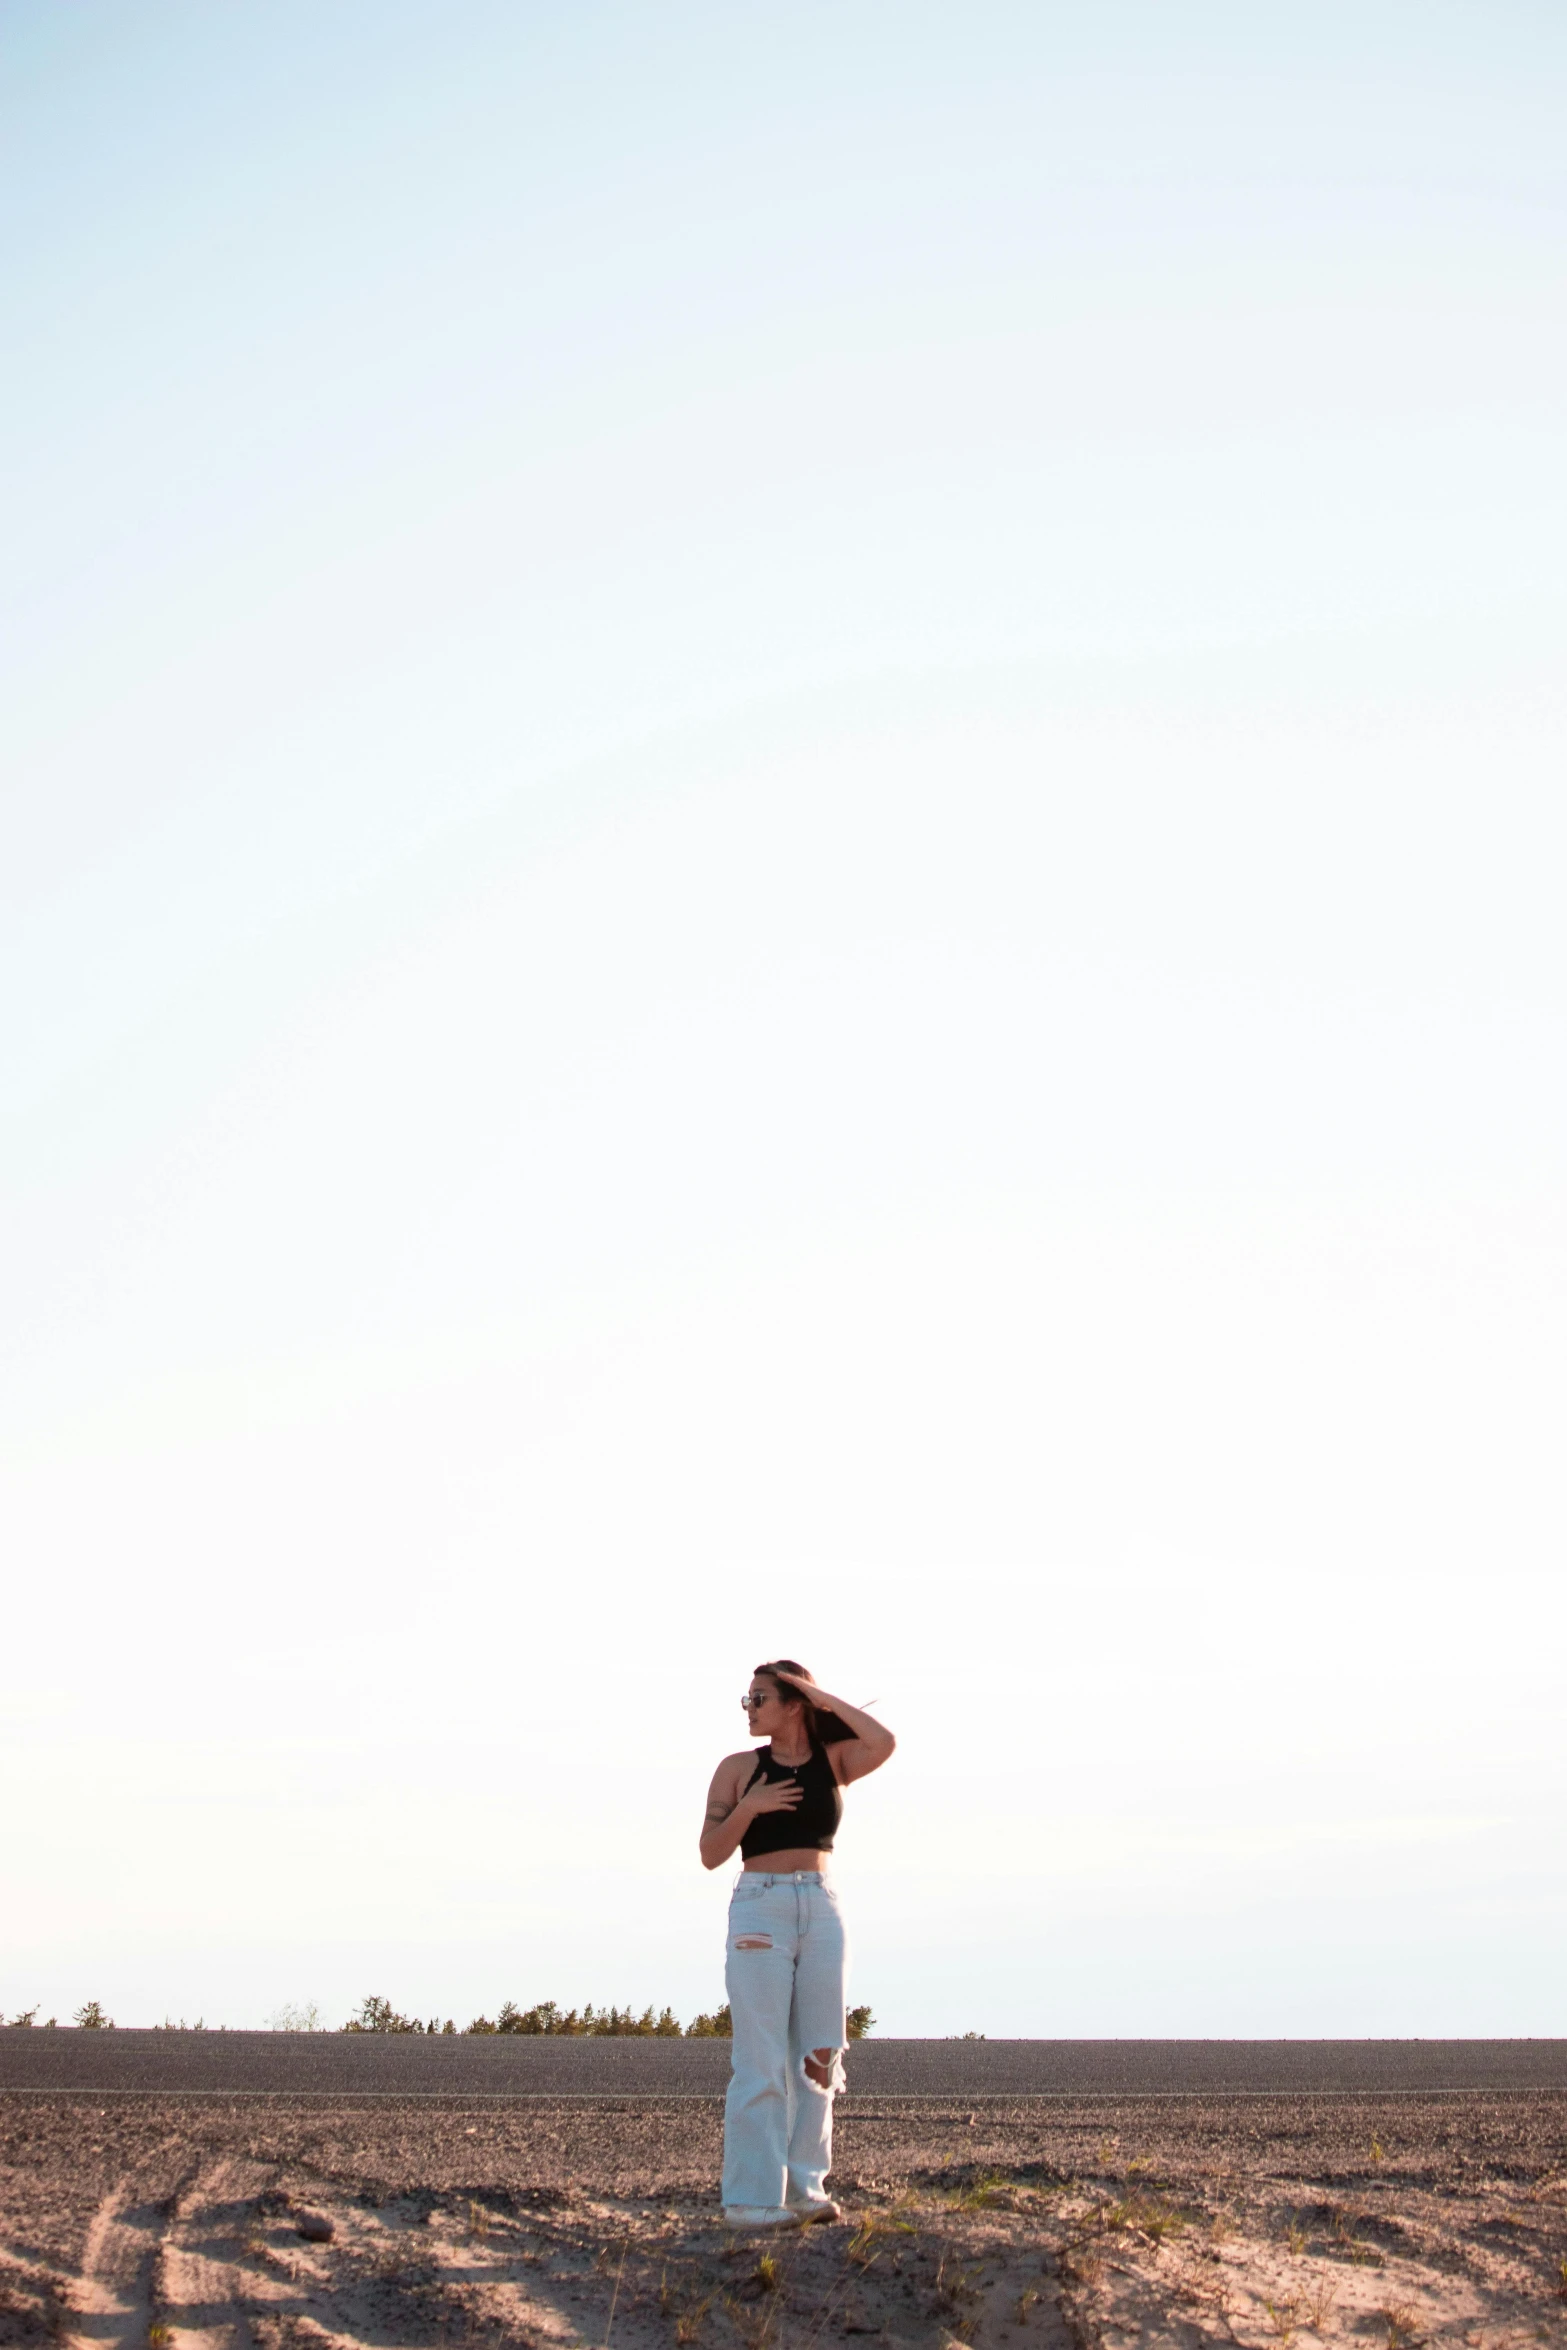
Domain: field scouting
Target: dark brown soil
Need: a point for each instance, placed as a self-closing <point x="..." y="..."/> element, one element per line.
<point x="1025" y="2224"/>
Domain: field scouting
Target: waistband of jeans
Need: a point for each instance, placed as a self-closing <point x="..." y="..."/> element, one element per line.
<point x="782" y="1877"/>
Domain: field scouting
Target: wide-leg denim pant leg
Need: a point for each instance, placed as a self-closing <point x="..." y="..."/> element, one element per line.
<point x="785" y="1972"/>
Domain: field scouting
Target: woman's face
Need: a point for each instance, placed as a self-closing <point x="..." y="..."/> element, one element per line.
<point x="766" y="1711"/>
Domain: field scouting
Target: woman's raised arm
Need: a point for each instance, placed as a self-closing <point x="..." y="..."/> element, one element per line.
<point x="872" y="1742"/>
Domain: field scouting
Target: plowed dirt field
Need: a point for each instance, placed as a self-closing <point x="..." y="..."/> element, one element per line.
<point x="1032" y="2224"/>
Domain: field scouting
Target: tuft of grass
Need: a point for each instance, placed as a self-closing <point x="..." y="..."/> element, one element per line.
<point x="754" y="2326"/>
<point x="768" y="2274"/>
<point x="1317" y="2304"/>
<point x="1281" y="2319"/>
<point x="1378" y="2153"/>
<point x="1295" y="2237"/>
<point x="865" y="2244"/>
<point x="1081" y="2264"/>
<point x="159" y="2335"/>
<point x="983" y="2193"/>
<point x="953" y="2283"/>
<point x="1147" y="2217"/>
<point x="1561" y="2280"/>
<point x="689" y="2322"/>
<point x="478" y="2220"/>
<point x="1402" y="2322"/>
<point x="91" y="2018"/>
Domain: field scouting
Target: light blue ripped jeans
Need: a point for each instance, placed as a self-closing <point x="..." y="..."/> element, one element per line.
<point x="785" y="1972"/>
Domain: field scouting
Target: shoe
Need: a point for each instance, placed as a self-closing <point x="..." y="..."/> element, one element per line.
<point x="820" y="2207"/>
<point x="761" y="2215"/>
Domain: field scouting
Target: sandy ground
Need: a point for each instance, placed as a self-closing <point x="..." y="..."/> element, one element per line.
<point x="1033" y="2224"/>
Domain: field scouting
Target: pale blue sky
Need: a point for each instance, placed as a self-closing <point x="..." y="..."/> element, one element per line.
<point x="781" y="870"/>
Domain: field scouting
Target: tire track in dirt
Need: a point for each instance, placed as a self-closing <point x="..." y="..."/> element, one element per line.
<point x="200" y="2291"/>
<point x="111" y="2295"/>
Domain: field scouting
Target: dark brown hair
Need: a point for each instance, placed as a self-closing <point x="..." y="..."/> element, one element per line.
<point x="821" y="1727"/>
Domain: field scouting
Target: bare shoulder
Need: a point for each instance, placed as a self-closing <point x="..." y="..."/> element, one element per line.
<point x="730" y="1778"/>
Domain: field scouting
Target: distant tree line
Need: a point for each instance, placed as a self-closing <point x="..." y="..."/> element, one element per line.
<point x="548" y="2020"/>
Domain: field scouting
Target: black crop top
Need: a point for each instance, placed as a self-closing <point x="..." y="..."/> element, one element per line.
<point x="814" y="1819"/>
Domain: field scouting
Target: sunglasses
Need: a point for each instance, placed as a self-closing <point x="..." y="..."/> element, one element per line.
<point x="751" y="1701"/>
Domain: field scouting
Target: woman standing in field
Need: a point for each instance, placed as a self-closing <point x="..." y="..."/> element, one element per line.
<point x="788" y="1954"/>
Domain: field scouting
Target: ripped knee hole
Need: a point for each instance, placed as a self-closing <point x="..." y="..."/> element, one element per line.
<point x="754" y="1942"/>
<point x="818" y="2066"/>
